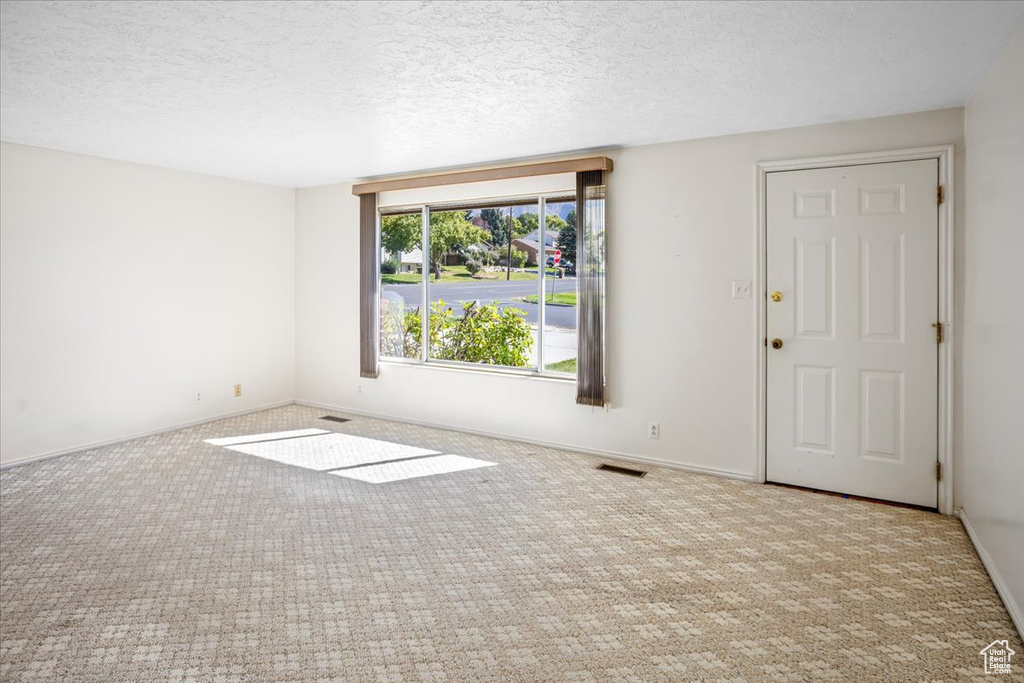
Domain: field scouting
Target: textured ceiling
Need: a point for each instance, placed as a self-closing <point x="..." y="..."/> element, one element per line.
<point x="304" y="93"/>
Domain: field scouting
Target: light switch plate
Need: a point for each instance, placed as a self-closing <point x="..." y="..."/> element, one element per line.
<point x="741" y="289"/>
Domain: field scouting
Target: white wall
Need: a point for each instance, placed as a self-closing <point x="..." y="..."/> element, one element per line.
<point x="125" y="288"/>
<point x="992" y="452"/>
<point x="681" y="350"/>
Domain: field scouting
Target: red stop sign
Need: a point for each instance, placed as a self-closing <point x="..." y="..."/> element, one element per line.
<point x="558" y="256"/>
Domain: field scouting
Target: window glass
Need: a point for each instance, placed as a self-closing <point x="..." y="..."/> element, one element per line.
<point x="560" y="288"/>
<point x="479" y="278"/>
<point x="498" y="280"/>
<point x="401" y="285"/>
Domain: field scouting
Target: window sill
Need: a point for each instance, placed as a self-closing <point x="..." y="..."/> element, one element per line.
<point x="479" y="369"/>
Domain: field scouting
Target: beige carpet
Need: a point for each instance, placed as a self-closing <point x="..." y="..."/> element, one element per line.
<point x="170" y="559"/>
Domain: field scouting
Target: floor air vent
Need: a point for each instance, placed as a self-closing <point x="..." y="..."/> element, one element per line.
<point x="621" y="470"/>
<point x="335" y="419"/>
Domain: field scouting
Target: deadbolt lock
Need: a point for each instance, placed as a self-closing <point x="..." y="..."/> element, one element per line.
<point x="776" y="296"/>
<point x="776" y="343"/>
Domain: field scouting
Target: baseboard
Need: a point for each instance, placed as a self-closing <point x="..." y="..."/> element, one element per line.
<point x="614" y="455"/>
<point x="141" y="435"/>
<point x="993" y="573"/>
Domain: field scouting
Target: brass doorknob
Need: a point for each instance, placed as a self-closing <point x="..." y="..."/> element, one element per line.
<point x="776" y="296"/>
<point x="776" y="343"/>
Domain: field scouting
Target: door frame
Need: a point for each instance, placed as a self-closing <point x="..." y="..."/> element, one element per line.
<point x="945" y="156"/>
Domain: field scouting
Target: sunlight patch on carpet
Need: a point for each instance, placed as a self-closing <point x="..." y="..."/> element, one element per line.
<point x="330" y="451"/>
<point x="271" y="436"/>
<point x="411" y="469"/>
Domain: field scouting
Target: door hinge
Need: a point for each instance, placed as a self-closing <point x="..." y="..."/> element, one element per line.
<point x="938" y="471"/>
<point x="938" y="332"/>
<point x="938" y="194"/>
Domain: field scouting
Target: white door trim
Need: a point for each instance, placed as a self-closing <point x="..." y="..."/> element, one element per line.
<point x="944" y="154"/>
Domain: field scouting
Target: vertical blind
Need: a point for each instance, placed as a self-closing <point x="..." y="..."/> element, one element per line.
<point x="590" y="281"/>
<point x="369" y="285"/>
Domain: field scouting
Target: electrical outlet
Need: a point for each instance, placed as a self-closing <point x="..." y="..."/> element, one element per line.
<point x="741" y="289"/>
<point x="653" y="430"/>
<point x="238" y="390"/>
<point x="199" y="397"/>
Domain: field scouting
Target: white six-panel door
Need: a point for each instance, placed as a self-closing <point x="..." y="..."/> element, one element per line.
<point x="852" y="392"/>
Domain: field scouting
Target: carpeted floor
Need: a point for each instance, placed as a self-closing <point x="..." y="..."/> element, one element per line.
<point x="170" y="559"/>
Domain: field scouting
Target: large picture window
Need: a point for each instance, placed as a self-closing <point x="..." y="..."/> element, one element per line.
<point x="513" y="283"/>
<point x="490" y="283"/>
